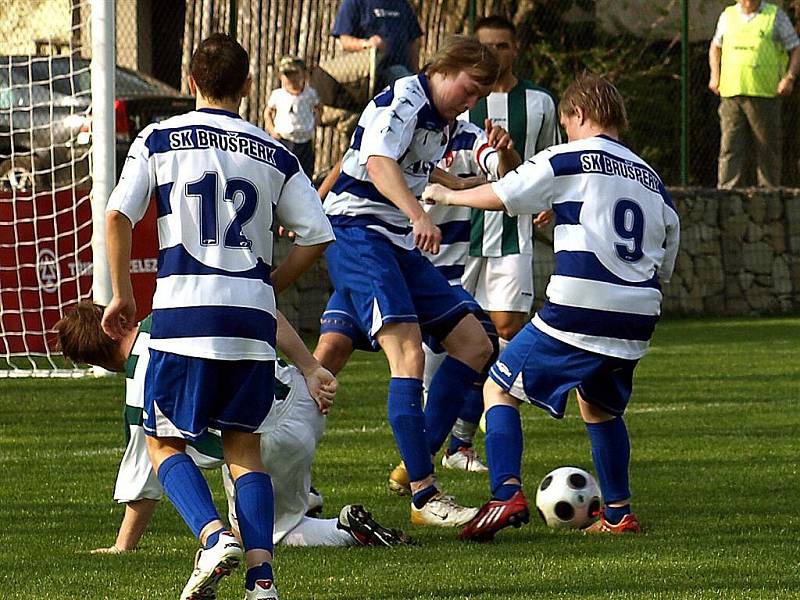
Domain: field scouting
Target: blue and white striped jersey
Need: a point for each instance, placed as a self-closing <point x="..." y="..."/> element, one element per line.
<point x="400" y="123"/>
<point x="616" y="235"/>
<point x="468" y="154"/>
<point x="217" y="180"/>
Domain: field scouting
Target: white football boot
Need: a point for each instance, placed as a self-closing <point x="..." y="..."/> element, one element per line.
<point x="464" y="459"/>
<point x="442" y="511"/>
<point x="264" y="590"/>
<point x="211" y="565"/>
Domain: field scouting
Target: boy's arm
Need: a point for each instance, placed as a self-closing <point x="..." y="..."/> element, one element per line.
<point x="138" y="515"/>
<point x="385" y="174"/>
<point x="321" y="383"/>
<point x="269" y="122"/>
<point x="120" y="314"/>
<point x="482" y="197"/>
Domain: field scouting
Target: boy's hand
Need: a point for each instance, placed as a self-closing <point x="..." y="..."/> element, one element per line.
<point x="499" y="138"/>
<point x="322" y="387"/>
<point x="119" y="316"/>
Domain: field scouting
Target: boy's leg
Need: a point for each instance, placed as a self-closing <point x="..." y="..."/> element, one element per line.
<point x="185" y="486"/>
<point x="508" y="505"/>
<point x="402" y="344"/>
<point x="611" y="454"/>
<point x="459" y="376"/>
<point x="254" y="503"/>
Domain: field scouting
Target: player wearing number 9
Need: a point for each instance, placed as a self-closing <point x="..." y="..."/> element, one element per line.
<point x="615" y="239"/>
<point x="218" y="183"/>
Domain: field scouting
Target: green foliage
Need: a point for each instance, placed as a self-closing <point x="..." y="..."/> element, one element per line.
<point x="713" y="421"/>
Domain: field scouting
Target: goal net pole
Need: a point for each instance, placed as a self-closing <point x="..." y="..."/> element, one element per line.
<point x="103" y="144"/>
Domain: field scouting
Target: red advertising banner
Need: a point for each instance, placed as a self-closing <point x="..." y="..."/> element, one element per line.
<point x="46" y="265"/>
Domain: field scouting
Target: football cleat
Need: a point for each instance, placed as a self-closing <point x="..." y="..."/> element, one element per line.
<point x="628" y="524"/>
<point x="442" y="511"/>
<point x="314" y="503"/>
<point x="464" y="459"/>
<point x="399" y="483"/>
<point x="264" y="589"/>
<point x="211" y="565"/>
<point x="496" y="515"/>
<point x="366" y="531"/>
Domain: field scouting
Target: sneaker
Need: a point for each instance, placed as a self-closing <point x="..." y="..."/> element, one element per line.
<point x="442" y="511"/>
<point x="628" y="524"/>
<point x="314" y="503"/>
<point x="211" y="565"/>
<point x="358" y="522"/>
<point x="264" y="590"/>
<point x="464" y="459"/>
<point x="399" y="482"/>
<point x="496" y="515"/>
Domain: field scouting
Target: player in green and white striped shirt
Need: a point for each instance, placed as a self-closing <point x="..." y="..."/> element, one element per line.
<point x="293" y="427"/>
<point x="499" y="272"/>
<point x="499" y="269"/>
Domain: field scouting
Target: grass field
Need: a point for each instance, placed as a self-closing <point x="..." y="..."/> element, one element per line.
<point x="714" y="424"/>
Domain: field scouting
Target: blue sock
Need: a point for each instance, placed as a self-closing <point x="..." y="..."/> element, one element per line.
<point x="262" y="571"/>
<point x="503" y="449"/>
<point x="468" y="418"/>
<point x="421" y="497"/>
<point x="213" y="538"/>
<point x="254" y="509"/>
<point x="188" y="491"/>
<point x="611" y="454"/>
<point x="614" y="514"/>
<point x="450" y="386"/>
<point x="408" y="425"/>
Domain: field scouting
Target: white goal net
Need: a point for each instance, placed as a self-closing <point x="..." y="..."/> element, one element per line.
<point x="45" y="180"/>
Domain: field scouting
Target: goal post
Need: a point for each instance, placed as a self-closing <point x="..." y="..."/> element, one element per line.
<point x="57" y="148"/>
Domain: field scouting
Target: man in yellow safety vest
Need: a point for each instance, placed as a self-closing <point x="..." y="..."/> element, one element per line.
<point x="750" y="71"/>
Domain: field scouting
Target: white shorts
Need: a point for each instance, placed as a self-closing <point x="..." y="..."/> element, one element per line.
<point x="136" y="479"/>
<point x="500" y="283"/>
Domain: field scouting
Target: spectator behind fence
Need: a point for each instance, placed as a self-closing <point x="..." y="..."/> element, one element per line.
<point x="749" y="72"/>
<point x="293" y="111"/>
<point x="390" y="26"/>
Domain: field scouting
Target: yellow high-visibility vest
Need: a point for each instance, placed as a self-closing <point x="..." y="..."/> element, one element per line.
<point x="752" y="62"/>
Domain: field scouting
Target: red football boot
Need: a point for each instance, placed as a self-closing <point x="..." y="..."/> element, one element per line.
<point x="496" y="515"/>
<point x="628" y="524"/>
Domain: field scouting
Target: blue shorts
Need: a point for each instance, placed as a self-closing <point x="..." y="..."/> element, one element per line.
<point x="383" y="283"/>
<point x="339" y="317"/>
<point x="542" y="370"/>
<point x="185" y="395"/>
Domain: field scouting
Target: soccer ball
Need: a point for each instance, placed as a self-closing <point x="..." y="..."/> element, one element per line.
<point x="568" y="497"/>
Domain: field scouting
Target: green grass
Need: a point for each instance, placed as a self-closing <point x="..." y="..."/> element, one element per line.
<point x="714" y="424"/>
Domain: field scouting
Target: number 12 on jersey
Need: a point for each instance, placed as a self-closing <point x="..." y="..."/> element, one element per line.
<point x="241" y="190"/>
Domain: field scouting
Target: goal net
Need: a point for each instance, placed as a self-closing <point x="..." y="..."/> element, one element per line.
<point x="45" y="179"/>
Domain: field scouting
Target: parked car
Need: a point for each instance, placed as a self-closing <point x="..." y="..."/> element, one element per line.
<point x="45" y="117"/>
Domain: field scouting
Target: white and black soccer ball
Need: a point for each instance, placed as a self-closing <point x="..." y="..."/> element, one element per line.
<point x="568" y="497"/>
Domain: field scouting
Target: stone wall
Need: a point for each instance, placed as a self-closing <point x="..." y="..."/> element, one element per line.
<point x="739" y="255"/>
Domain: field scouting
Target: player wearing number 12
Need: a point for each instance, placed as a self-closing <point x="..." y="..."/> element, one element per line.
<point x="218" y="181"/>
<point x="616" y="237"/>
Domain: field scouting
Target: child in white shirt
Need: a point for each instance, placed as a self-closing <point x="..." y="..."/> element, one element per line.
<point x="293" y="111"/>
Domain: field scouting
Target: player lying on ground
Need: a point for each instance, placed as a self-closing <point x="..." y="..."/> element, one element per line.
<point x="294" y="427"/>
<point x="377" y="268"/>
<point x="616" y="237"/>
<point x="218" y="182"/>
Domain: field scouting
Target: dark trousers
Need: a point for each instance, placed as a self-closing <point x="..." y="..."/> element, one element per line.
<point x="750" y="126"/>
<point x="304" y="151"/>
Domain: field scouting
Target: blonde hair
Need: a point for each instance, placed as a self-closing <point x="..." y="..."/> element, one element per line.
<point x="462" y="53"/>
<point x="599" y="100"/>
